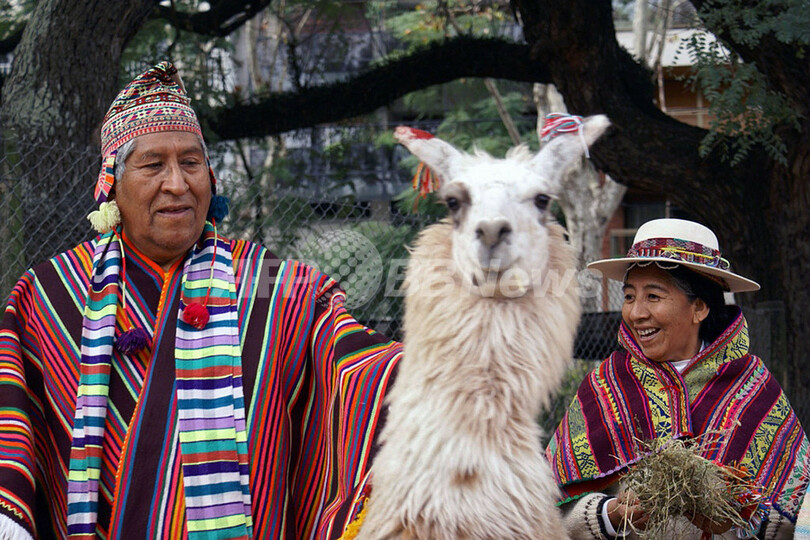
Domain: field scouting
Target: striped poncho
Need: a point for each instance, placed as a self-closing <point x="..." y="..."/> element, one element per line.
<point x="724" y="389"/>
<point x="313" y="380"/>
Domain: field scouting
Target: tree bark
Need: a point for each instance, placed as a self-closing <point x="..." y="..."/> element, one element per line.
<point x="222" y="17"/>
<point x="60" y="87"/>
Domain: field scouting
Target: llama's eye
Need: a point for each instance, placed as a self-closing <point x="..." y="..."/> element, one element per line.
<point x="541" y="201"/>
<point x="452" y="203"/>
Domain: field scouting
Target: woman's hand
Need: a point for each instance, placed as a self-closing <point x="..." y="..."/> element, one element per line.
<point x="625" y="510"/>
<point x="707" y="525"/>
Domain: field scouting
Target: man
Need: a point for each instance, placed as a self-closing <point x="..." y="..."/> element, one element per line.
<point x="160" y="381"/>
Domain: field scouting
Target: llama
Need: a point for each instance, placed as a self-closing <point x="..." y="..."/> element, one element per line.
<point x="491" y="309"/>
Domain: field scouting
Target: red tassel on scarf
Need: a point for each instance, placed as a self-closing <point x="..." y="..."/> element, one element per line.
<point x="196" y="315"/>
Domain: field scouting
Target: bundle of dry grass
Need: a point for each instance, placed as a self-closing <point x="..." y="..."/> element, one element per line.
<point x="675" y="480"/>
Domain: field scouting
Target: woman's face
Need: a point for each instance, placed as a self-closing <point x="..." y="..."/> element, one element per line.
<point x="662" y="319"/>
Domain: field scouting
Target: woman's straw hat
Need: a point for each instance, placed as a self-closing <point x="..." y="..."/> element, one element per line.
<point x="668" y="241"/>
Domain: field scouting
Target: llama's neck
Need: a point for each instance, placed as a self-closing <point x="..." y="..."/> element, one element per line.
<point x="505" y="353"/>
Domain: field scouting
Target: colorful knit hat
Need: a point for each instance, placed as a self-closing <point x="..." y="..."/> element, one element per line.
<point x="154" y="101"/>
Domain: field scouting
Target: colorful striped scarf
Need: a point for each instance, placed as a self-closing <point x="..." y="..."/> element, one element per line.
<point x="210" y="401"/>
<point x="724" y="390"/>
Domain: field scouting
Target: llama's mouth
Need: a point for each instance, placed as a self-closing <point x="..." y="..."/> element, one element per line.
<point x="492" y="268"/>
<point x="487" y="276"/>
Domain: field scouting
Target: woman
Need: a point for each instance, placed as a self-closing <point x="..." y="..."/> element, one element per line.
<point x="684" y="371"/>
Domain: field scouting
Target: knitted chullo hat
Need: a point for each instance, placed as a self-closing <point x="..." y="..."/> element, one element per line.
<point x="153" y="102"/>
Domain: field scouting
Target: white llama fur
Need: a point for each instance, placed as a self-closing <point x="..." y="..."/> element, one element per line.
<point x="491" y="311"/>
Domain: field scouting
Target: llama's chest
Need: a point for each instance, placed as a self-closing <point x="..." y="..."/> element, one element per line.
<point x="468" y="407"/>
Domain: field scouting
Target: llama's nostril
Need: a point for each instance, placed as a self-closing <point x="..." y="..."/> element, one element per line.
<point x="490" y="232"/>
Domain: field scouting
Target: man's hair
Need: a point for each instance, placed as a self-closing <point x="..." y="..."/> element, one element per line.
<point x="121" y="158"/>
<point x="126" y="149"/>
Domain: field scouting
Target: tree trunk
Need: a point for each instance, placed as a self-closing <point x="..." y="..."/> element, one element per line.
<point x="778" y="253"/>
<point x="52" y="106"/>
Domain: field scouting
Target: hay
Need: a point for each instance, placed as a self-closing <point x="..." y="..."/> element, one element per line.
<point x="675" y="480"/>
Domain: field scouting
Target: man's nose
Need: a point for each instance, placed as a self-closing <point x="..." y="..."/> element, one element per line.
<point x="175" y="181"/>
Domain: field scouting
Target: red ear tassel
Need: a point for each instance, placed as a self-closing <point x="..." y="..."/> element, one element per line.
<point x="557" y="123"/>
<point x="420" y="134"/>
<point x="424" y="181"/>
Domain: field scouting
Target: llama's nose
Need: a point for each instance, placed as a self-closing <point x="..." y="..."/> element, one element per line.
<point x="491" y="231"/>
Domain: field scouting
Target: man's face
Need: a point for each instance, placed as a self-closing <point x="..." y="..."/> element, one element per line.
<point x="164" y="195"/>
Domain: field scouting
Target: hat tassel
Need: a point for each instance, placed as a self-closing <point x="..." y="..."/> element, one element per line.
<point x="132" y="341"/>
<point x="196" y="315"/>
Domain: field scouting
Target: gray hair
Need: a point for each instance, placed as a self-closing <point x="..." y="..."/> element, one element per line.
<point x="121" y="158"/>
<point x="126" y="149"/>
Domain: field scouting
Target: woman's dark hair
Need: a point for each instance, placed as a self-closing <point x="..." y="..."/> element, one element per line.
<point x="695" y="286"/>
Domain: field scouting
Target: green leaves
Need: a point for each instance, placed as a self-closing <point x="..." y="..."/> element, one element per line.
<point x="744" y="110"/>
<point x="746" y="23"/>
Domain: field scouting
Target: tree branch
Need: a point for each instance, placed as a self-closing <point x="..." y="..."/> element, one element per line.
<point x="368" y="91"/>
<point x="224" y="17"/>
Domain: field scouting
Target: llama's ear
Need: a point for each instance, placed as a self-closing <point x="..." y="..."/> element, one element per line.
<point x="555" y="157"/>
<point x="432" y="151"/>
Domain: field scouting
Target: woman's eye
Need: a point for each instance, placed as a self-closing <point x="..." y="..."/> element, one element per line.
<point x="452" y="203"/>
<point x="541" y="201"/>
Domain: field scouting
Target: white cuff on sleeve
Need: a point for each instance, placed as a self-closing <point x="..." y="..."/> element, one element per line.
<point x="606" y="521"/>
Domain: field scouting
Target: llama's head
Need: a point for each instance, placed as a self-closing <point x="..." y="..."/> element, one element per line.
<point x="500" y="207"/>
